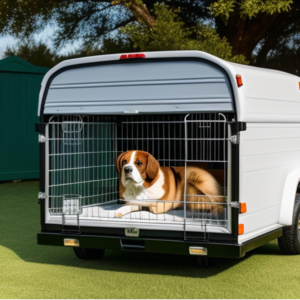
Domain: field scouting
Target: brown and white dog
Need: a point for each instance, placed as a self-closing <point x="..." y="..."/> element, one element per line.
<point x="142" y="178"/>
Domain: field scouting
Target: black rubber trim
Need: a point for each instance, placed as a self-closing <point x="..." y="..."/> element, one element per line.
<point x="42" y="183"/>
<point x="235" y="186"/>
<point x="237" y="127"/>
<point x="40" y="128"/>
<point x="262" y="240"/>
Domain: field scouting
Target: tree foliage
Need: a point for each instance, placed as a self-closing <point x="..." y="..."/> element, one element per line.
<point x="37" y="54"/>
<point x="169" y="33"/>
<point x="249" y="8"/>
<point x="286" y="57"/>
<point x="253" y="28"/>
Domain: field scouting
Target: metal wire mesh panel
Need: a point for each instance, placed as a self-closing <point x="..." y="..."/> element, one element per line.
<point x="83" y="153"/>
<point x="206" y="138"/>
<point x="164" y="137"/>
<point x="206" y="142"/>
<point x="81" y="161"/>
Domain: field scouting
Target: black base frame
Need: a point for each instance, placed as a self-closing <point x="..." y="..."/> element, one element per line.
<point x="156" y="245"/>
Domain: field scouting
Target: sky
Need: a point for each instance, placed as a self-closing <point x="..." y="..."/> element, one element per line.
<point x="44" y="36"/>
<point x="4" y="42"/>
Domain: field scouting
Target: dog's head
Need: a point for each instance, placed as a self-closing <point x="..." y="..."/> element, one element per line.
<point x="137" y="166"/>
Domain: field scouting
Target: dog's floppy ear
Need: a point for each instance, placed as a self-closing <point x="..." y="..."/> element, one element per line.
<point x="118" y="163"/>
<point x="152" y="167"/>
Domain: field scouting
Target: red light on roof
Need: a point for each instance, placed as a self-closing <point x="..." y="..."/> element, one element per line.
<point x="137" y="55"/>
<point x="133" y="55"/>
<point x="239" y="80"/>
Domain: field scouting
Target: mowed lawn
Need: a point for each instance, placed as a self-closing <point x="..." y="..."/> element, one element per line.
<point x="31" y="271"/>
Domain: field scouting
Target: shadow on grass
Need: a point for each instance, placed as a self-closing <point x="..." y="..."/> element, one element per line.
<point x="19" y="225"/>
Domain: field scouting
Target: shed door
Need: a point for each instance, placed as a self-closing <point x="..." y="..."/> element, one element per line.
<point x="140" y="87"/>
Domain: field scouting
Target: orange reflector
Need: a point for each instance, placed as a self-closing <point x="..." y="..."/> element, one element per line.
<point x="241" y="229"/>
<point x="299" y="85"/>
<point x="239" y="80"/>
<point x="243" y="208"/>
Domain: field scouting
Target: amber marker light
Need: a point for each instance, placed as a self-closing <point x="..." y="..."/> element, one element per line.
<point x="299" y="85"/>
<point x="243" y="208"/>
<point x="71" y="242"/>
<point x="198" y="251"/>
<point x="239" y="80"/>
<point x="241" y="229"/>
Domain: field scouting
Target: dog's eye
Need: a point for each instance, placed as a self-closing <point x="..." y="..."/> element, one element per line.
<point x="138" y="162"/>
<point x="124" y="162"/>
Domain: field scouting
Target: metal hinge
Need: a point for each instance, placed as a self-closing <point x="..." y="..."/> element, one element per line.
<point x="131" y="111"/>
<point x="235" y="204"/>
<point x="41" y="195"/>
<point x="235" y="139"/>
<point x="42" y="138"/>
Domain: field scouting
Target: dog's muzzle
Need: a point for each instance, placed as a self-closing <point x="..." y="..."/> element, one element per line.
<point x="128" y="172"/>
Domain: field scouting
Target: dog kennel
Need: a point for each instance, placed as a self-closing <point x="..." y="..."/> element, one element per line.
<point x="186" y="108"/>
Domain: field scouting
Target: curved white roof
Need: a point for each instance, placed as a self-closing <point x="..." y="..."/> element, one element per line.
<point x="266" y="95"/>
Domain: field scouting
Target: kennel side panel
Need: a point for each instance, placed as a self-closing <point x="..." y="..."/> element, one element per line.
<point x="268" y="154"/>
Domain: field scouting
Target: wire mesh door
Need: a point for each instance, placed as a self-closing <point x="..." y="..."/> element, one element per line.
<point x="205" y="142"/>
<point x="179" y="141"/>
<point x="82" y="155"/>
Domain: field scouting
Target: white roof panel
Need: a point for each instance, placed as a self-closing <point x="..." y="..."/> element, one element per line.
<point x="80" y="86"/>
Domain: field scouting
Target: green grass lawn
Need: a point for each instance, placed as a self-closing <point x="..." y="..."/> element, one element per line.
<point x="31" y="271"/>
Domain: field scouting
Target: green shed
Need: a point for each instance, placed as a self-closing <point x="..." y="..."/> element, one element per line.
<point x="20" y="84"/>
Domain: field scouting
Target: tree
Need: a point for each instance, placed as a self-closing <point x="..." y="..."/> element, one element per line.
<point x="286" y="57"/>
<point x="167" y="32"/>
<point x="248" y="24"/>
<point x="37" y="54"/>
<point x="253" y="28"/>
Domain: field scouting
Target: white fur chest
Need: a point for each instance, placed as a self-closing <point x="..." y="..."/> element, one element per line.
<point x="135" y="191"/>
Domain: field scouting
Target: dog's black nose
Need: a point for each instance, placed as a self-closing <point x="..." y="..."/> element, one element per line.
<point x="128" y="170"/>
